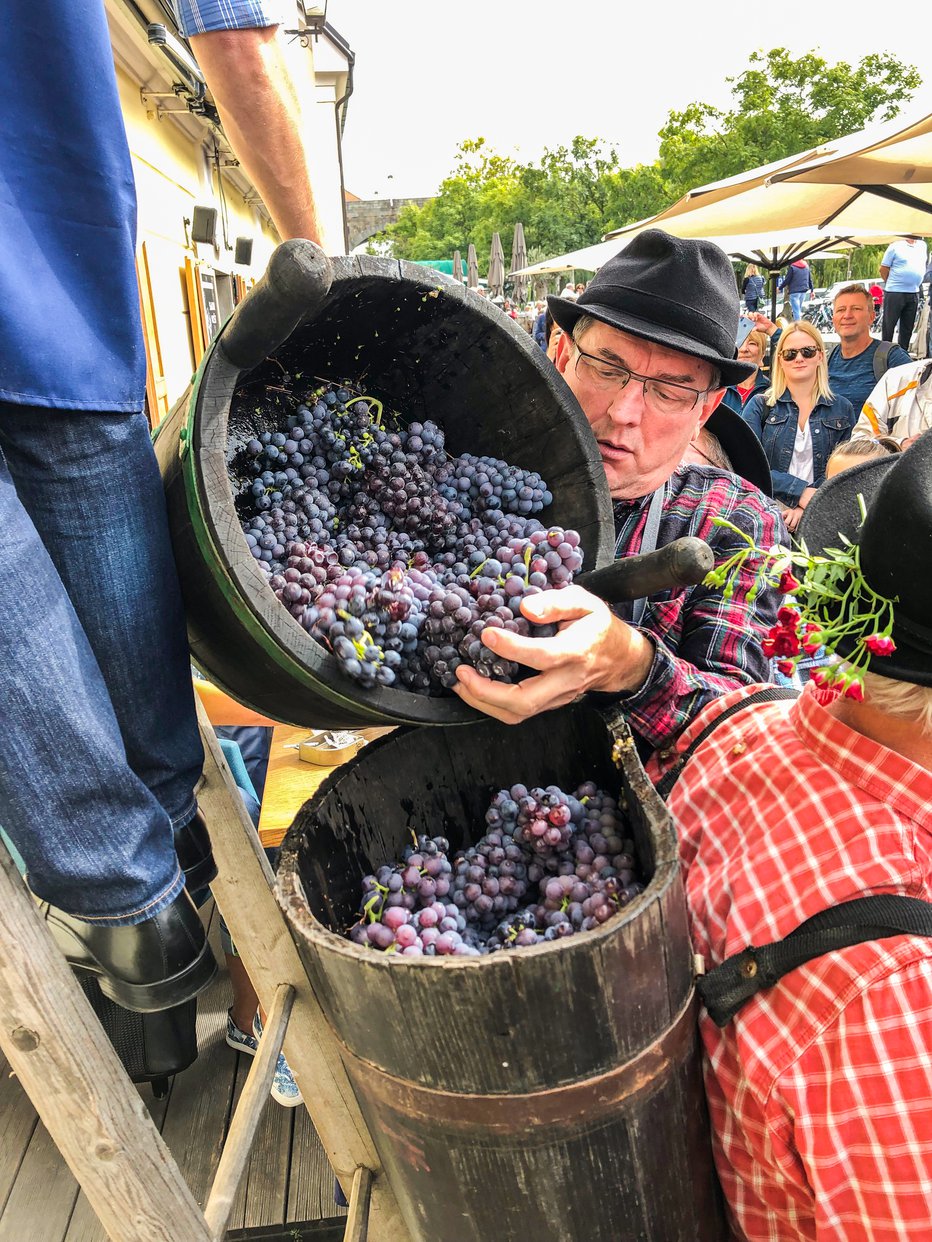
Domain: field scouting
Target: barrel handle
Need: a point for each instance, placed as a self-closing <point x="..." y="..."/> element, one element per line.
<point x="295" y="284"/>
<point x="684" y="562"/>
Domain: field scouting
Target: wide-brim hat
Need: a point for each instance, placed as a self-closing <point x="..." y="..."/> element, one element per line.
<point x="672" y="291"/>
<point x="895" y="545"/>
<point x="742" y="447"/>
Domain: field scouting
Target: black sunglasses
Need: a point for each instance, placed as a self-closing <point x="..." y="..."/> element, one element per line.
<point x="807" y="351"/>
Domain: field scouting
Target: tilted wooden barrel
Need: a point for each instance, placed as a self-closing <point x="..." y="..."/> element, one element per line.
<point x="424" y="346"/>
<point x="547" y="1094"/>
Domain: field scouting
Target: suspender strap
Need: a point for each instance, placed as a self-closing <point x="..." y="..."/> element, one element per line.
<point x="772" y="694"/>
<point x="726" y="988"/>
<point x="648" y="544"/>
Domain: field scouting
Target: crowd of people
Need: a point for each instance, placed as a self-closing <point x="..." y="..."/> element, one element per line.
<point x="820" y="1087"/>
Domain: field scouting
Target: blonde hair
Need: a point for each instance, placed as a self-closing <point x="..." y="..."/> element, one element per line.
<point x="751" y="270"/>
<point x="865" y="447"/>
<point x="778" y="384"/>
<point x="903" y="699"/>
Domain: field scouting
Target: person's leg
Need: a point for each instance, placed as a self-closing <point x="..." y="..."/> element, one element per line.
<point x="91" y="485"/>
<point x="892" y="305"/>
<point x="908" y="319"/>
<point x="96" y="843"/>
<point x="796" y="305"/>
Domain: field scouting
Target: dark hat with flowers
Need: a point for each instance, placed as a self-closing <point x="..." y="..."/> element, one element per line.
<point x="891" y="548"/>
<point x="859" y="581"/>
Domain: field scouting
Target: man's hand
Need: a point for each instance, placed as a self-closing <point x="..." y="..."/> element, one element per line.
<point x="805" y="496"/>
<point x="593" y="650"/>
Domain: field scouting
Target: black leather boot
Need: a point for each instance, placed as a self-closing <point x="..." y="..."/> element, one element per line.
<point x="161" y="962"/>
<point x="192" y="845"/>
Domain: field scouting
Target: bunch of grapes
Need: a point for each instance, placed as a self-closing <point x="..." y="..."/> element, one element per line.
<point x="507" y="891"/>
<point x="392" y="554"/>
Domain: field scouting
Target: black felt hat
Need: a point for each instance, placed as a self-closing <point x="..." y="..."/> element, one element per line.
<point x="742" y="447"/>
<point x="673" y="291"/>
<point x="895" y="547"/>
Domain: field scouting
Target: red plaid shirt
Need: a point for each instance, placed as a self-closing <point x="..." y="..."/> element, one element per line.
<point x="706" y="641"/>
<point x="820" y="1090"/>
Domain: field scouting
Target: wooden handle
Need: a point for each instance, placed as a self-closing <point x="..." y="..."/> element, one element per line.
<point x="685" y="562"/>
<point x="295" y="283"/>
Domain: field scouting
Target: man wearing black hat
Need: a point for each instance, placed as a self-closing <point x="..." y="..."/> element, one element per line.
<point x="818" y="1068"/>
<point x="648" y="350"/>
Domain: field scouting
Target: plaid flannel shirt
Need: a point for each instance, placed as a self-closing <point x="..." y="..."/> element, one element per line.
<point x="705" y="643"/>
<point x="820" y="1090"/>
<point x="202" y="16"/>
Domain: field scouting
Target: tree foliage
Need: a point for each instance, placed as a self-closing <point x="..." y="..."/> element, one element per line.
<point x="572" y="195"/>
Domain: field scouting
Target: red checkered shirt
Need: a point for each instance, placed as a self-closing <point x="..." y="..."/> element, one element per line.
<point x="820" y="1090"/>
<point x="706" y="641"/>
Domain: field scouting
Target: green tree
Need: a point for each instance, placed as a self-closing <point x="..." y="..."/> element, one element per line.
<point x="781" y="105"/>
<point x="573" y="195"/>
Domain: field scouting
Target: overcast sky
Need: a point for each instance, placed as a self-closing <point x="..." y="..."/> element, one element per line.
<point x="530" y="75"/>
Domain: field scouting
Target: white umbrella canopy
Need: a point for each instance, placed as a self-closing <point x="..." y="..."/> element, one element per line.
<point x="472" y="267"/>
<point x="496" y="275"/>
<point x="519" y="261"/>
<point x="799" y="193"/>
<point x="757" y="248"/>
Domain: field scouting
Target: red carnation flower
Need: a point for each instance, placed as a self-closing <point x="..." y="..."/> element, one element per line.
<point x="786" y="667"/>
<point x="879" y="644"/>
<point x="788" y="616"/>
<point x="789" y="584"/>
<point x="854" y="690"/>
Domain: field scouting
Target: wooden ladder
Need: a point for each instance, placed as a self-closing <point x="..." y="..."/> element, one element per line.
<point x="94" y="1113"/>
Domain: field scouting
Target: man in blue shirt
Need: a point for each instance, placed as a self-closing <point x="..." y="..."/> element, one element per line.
<point x="100" y="750"/>
<point x="902" y="269"/>
<point x="853" y="363"/>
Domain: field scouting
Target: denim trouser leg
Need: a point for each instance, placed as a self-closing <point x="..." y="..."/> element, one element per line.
<point x="88" y="741"/>
<point x="796" y="305"/>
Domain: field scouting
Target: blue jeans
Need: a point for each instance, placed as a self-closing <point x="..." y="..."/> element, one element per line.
<point x="99" y="751"/>
<point x="796" y="304"/>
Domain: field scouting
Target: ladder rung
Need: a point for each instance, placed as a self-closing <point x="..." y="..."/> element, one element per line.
<point x="357" y="1220"/>
<point x="245" y="1123"/>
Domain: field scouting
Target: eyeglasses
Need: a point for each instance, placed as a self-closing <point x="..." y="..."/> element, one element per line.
<point x="807" y="351"/>
<point x="660" y="396"/>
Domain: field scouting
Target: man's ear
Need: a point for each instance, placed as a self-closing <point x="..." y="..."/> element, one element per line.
<point x="564" y="352"/>
<point x="711" y="403"/>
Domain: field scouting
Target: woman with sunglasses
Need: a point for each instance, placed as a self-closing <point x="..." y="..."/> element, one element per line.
<point x="798" y="420"/>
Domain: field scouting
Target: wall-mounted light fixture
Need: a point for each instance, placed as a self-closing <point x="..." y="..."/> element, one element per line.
<point x="315" y="18"/>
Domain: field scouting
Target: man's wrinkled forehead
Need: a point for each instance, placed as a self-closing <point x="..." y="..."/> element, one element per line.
<point x="615" y="345"/>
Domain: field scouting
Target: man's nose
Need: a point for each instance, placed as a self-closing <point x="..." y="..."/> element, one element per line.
<point x="627" y="404"/>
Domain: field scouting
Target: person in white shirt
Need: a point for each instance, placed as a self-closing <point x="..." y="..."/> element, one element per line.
<point x="900" y="405"/>
<point x="902" y="269"/>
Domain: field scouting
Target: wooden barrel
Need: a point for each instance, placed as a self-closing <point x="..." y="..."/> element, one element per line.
<point x="424" y="346"/>
<point x="550" y="1093"/>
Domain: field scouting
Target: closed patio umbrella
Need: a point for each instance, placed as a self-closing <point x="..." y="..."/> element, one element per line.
<point x="457" y="267"/>
<point x="496" y="276"/>
<point x="519" y="261"/>
<point x="472" y="267"/>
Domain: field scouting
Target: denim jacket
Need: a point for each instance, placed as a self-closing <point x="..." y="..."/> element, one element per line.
<point x="831" y="421"/>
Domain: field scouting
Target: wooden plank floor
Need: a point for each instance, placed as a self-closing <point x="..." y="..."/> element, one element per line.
<point x="288" y="1180"/>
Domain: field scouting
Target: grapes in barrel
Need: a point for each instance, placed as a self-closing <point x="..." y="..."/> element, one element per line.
<point x="546" y="865"/>
<point x="391" y="553"/>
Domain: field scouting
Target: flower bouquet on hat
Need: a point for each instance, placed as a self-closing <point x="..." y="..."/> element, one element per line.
<point x="858" y="582"/>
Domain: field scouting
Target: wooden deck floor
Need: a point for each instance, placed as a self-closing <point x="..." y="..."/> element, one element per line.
<point x="288" y="1182"/>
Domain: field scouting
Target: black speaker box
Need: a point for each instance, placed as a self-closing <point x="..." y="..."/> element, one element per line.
<point x="243" y="252"/>
<point x="204" y="225"/>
